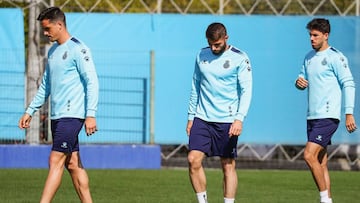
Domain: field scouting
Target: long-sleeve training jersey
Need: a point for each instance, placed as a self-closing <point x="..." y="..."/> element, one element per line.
<point x="71" y="80"/>
<point x="328" y="73"/>
<point x="221" y="86"/>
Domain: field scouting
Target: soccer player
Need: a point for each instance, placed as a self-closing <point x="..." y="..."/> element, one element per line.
<point x="219" y="101"/>
<point x="71" y="81"/>
<point x="326" y="73"/>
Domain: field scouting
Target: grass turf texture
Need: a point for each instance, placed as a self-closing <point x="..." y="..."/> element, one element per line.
<point x="172" y="185"/>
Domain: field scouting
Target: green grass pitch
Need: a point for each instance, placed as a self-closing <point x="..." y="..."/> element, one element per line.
<point x="172" y="185"/>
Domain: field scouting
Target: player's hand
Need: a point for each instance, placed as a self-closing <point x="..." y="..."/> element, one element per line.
<point x="350" y="123"/>
<point x="235" y="128"/>
<point x="24" y="121"/>
<point x="301" y="83"/>
<point x="188" y="126"/>
<point x="90" y="125"/>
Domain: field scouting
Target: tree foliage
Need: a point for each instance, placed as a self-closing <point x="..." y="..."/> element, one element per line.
<point x="245" y="7"/>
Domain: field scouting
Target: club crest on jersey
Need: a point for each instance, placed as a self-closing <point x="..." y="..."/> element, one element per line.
<point x="226" y="64"/>
<point x="324" y="62"/>
<point x="65" y="55"/>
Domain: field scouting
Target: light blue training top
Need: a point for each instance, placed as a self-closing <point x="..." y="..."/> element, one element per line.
<point x="328" y="74"/>
<point x="221" y="86"/>
<point x="70" y="80"/>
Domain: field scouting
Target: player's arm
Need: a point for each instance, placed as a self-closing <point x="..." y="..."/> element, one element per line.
<point x="301" y="83"/>
<point x="194" y="97"/>
<point x="189" y="126"/>
<point x="24" y="121"/>
<point x="41" y="95"/>
<point x="194" y="93"/>
<point x="245" y="89"/>
<point x="346" y="81"/>
<point x="90" y="125"/>
<point x="87" y="71"/>
<point x="236" y="128"/>
<point x="350" y="123"/>
<point x="245" y="93"/>
<point x="86" y="68"/>
<point x="345" y="78"/>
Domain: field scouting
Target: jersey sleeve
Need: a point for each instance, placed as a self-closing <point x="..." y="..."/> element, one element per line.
<point x="41" y="95"/>
<point x="245" y="88"/>
<point x="302" y="74"/>
<point x="194" y="93"/>
<point x="87" y="71"/>
<point x="346" y="81"/>
<point x="302" y="70"/>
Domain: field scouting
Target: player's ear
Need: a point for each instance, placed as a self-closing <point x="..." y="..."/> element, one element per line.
<point x="326" y="35"/>
<point x="60" y="25"/>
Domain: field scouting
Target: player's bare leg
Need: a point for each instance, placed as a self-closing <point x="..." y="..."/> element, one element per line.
<point x="230" y="180"/>
<point x="53" y="180"/>
<point x="316" y="158"/>
<point x="196" y="170"/>
<point x="324" y="165"/>
<point x="311" y="156"/>
<point x="79" y="177"/>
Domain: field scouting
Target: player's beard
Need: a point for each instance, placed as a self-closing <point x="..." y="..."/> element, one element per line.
<point x="50" y="38"/>
<point x="220" y="51"/>
<point x="317" y="47"/>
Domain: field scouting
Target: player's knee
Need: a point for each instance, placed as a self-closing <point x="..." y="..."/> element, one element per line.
<point x="194" y="161"/>
<point x="56" y="161"/>
<point x="70" y="166"/>
<point x="53" y="160"/>
<point x="191" y="158"/>
<point x="228" y="166"/>
<point x="73" y="164"/>
<point x="308" y="157"/>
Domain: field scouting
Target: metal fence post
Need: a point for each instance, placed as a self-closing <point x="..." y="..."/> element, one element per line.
<point x="152" y="96"/>
<point x="33" y="73"/>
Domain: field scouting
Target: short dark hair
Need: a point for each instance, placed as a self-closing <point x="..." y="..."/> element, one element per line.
<point x="215" y="31"/>
<point x="320" y="24"/>
<point x="53" y="14"/>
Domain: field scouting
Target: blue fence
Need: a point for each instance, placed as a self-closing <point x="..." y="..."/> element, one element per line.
<point x="121" y="44"/>
<point x="123" y="114"/>
<point x="12" y="66"/>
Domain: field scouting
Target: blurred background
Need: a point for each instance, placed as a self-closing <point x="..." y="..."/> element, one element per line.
<point x="144" y="52"/>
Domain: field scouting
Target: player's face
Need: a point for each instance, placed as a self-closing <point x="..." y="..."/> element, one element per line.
<point x="51" y="29"/>
<point x="318" y="40"/>
<point x="218" y="46"/>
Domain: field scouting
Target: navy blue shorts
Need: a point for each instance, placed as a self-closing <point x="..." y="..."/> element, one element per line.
<point x="320" y="131"/>
<point x="212" y="139"/>
<point x="65" y="133"/>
